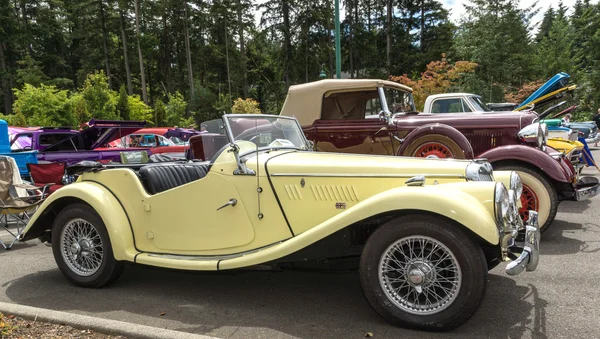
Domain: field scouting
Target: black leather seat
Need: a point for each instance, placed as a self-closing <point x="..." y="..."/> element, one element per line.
<point x="159" y="178"/>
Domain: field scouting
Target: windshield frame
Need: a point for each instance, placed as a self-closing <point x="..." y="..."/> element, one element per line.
<point x="478" y="103"/>
<point x="229" y="132"/>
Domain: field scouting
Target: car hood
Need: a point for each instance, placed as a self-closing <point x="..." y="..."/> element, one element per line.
<point x="468" y="120"/>
<point x="356" y="165"/>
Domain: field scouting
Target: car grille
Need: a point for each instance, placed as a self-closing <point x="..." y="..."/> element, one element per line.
<point x="482" y="142"/>
<point x="575" y="157"/>
<point x="486" y="177"/>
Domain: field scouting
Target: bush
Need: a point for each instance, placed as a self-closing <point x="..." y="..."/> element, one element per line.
<point x="249" y="106"/>
<point x="100" y="100"/>
<point x="44" y="106"/>
<point x="160" y="114"/>
<point x="138" y="110"/>
<point x="175" y="110"/>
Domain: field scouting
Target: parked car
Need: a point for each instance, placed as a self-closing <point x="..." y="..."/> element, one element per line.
<point x="154" y="139"/>
<point x="372" y="116"/>
<point x="21" y="158"/>
<point x="70" y="146"/>
<point x="426" y="231"/>
<point x="561" y="139"/>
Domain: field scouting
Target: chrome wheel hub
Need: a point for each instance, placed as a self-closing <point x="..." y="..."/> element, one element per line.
<point x="81" y="247"/>
<point x="419" y="275"/>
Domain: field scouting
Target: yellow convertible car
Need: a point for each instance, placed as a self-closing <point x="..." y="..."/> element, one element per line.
<point x="424" y="232"/>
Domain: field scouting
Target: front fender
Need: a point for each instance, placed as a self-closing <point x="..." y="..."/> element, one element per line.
<point x="101" y="200"/>
<point x="448" y="200"/>
<point x="441" y="129"/>
<point x="529" y="155"/>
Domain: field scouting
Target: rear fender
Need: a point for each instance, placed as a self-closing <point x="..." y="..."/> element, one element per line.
<point x="101" y="200"/>
<point x="442" y="129"/>
<point x="529" y="155"/>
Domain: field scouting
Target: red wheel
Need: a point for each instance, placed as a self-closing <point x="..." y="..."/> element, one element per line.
<point x="529" y="201"/>
<point x="433" y="149"/>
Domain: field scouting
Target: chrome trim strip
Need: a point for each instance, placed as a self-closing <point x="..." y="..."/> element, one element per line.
<point x="209" y="257"/>
<point x="367" y="175"/>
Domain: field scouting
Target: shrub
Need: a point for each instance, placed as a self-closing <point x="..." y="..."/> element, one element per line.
<point x="249" y="106"/>
<point x="44" y="106"/>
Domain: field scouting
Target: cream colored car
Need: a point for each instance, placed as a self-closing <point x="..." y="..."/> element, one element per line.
<point x="424" y="232"/>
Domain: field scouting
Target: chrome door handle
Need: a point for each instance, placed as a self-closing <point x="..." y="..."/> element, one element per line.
<point x="231" y="202"/>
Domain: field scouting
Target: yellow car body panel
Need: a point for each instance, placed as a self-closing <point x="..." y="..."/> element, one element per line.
<point x="108" y="207"/>
<point x="564" y="146"/>
<point x="185" y="220"/>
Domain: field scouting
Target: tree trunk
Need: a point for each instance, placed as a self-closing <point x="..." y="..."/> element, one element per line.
<point x="5" y="82"/>
<point x="242" y="50"/>
<point x="422" y="37"/>
<point x="227" y="57"/>
<point x="26" y="27"/>
<point x="350" y="31"/>
<point x="104" y="42"/>
<point x="137" y="37"/>
<point x="125" y="52"/>
<point x="306" y="55"/>
<point x="188" y="52"/>
<point x="285" y="7"/>
<point x="389" y="37"/>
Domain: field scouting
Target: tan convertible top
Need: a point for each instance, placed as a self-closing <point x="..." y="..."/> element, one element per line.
<point x="304" y="101"/>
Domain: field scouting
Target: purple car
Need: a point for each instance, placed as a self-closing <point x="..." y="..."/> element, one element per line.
<point x="62" y="144"/>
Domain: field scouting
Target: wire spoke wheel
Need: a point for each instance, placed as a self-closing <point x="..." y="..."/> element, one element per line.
<point x="529" y="202"/>
<point x="420" y="275"/>
<point x="434" y="150"/>
<point x="81" y="247"/>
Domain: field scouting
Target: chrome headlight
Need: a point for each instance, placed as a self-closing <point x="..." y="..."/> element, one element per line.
<point x="544" y="128"/>
<point x="516" y="184"/>
<point x="480" y="170"/>
<point x="501" y="201"/>
<point x="532" y="134"/>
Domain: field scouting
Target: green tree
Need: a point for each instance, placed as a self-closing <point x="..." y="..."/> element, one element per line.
<point x="101" y="102"/>
<point x="175" y="110"/>
<point x="123" y="104"/>
<point x="495" y="35"/>
<point x="44" y="106"/>
<point x="160" y="113"/>
<point x="30" y="72"/>
<point x="138" y="110"/>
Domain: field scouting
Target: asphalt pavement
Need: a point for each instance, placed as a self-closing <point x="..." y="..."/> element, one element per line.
<point x="558" y="300"/>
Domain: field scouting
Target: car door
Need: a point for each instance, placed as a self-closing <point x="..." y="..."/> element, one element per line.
<point x="350" y="123"/>
<point x="199" y="216"/>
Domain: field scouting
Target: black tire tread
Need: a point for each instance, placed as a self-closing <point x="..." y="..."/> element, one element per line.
<point x="111" y="269"/>
<point x="464" y="248"/>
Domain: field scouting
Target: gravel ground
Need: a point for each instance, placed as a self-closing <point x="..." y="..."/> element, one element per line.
<point x="12" y="327"/>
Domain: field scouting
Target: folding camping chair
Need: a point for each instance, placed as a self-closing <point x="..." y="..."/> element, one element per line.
<point x="50" y="174"/>
<point x="16" y="208"/>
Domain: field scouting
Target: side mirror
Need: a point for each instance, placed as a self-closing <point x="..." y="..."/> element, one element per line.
<point x="311" y="145"/>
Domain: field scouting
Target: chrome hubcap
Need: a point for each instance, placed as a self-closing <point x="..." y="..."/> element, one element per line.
<point x="81" y="247"/>
<point x="419" y="275"/>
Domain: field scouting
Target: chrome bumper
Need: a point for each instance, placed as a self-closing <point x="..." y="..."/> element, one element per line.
<point x="529" y="254"/>
<point x="586" y="188"/>
<point x="593" y="140"/>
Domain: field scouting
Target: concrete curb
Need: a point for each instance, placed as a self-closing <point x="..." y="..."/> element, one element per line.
<point x="105" y="326"/>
